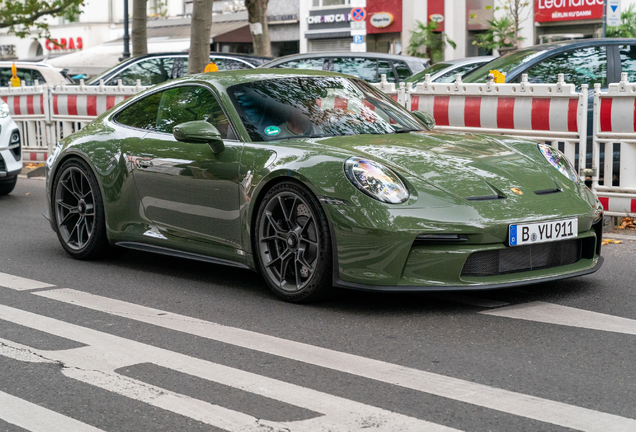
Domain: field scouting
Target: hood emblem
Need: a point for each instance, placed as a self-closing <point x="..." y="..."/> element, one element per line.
<point x="517" y="191"/>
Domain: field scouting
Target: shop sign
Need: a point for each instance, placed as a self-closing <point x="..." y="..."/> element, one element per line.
<point x="324" y="19"/>
<point x="381" y="19"/>
<point x="567" y="10"/>
<point x="64" y="44"/>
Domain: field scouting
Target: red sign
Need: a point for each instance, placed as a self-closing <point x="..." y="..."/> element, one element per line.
<point x="358" y="14"/>
<point x="436" y="13"/>
<point x="567" y="10"/>
<point x="64" y="44"/>
<point x="377" y="10"/>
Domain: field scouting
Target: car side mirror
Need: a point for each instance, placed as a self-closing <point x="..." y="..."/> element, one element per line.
<point x="199" y="132"/>
<point x="425" y="118"/>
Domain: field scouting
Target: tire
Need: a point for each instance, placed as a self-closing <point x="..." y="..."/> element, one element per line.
<point x="77" y="210"/>
<point x="6" y="186"/>
<point x="292" y="244"/>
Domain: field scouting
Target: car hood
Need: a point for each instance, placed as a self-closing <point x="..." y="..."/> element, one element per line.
<point x="475" y="167"/>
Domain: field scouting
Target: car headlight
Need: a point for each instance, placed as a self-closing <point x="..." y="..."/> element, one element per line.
<point x="4" y="110"/>
<point x="376" y="180"/>
<point x="559" y="161"/>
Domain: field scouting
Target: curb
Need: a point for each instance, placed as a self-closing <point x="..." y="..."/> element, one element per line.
<point x="619" y="236"/>
<point x="24" y="176"/>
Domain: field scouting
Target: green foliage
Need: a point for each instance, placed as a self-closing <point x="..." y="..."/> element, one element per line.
<point x="426" y="36"/>
<point x="500" y="34"/>
<point x="627" y="27"/>
<point x="21" y="16"/>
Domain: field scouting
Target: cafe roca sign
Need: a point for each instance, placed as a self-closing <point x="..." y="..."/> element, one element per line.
<point x="325" y="19"/>
<point x="567" y="10"/>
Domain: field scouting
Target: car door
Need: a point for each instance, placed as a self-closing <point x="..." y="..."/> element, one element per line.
<point x="186" y="189"/>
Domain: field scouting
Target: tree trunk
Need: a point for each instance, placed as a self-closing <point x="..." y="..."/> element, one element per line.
<point x="200" y="36"/>
<point x="257" y="17"/>
<point x="139" y="35"/>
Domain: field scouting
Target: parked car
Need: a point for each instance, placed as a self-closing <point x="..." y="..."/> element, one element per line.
<point x="156" y="68"/>
<point x="367" y="66"/>
<point x="10" y="151"/>
<point x="318" y="179"/>
<point x="586" y="61"/>
<point x="446" y="71"/>
<point x="29" y="72"/>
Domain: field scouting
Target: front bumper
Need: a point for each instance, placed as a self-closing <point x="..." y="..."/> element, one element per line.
<point x="10" y="156"/>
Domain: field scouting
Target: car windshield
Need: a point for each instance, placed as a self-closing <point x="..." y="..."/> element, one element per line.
<point x="309" y="107"/>
<point x="503" y="64"/>
<point x="420" y="76"/>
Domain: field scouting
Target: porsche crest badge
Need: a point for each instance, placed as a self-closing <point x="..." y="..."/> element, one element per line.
<point x="517" y="191"/>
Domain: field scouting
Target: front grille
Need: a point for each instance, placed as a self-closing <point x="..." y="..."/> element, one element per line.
<point x="523" y="258"/>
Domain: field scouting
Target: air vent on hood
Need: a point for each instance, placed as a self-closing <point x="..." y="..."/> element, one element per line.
<point x="547" y="191"/>
<point x="485" y="198"/>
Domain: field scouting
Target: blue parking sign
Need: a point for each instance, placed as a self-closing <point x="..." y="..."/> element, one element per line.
<point x="358" y="39"/>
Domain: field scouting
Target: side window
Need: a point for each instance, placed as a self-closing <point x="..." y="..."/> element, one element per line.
<point x="384" y="67"/>
<point x="142" y="114"/>
<point x="359" y="67"/>
<point x="581" y="66"/>
<point x="313" y="64"/>
<point x="150" y="72"/>
<point x="449" y="76"/>
<point x="628" y="61"/>
<point x="402" y="69"/>
<point x="189" y="103"/>
<point x="36" y="75"/>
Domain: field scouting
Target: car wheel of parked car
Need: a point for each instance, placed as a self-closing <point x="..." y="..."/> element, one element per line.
<point x="7" y="186"/>
<point x="78" y="211"/>
<point x="292" y="244"/>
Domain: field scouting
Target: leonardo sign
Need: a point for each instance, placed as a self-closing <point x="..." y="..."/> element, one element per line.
<point x="567" y="10"/>
<point x="381" y="19"/>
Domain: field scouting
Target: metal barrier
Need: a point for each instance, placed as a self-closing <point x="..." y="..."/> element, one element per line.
<point x="552" y="113"/>
<point x="615" y="123"/>
<point x="47" y="114"/>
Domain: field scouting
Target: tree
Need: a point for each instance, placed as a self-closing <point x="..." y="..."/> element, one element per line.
<point x="139" y="35"/>
<point x="257" y="17"/>
<point x="503" y="32"/>
<point x="627" y="27"/>
<point x="426" y="36"/>
<point x="21" y="16"/>
<point x="200" y="28"/>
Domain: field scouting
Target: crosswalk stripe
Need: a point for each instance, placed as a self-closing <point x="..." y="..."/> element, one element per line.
<point x="20" y="284"/>
<point x="544" y="410"/>
<point x="566" y="316"/>
<point x="35" y="418"/>
<point x="103" y="354"/>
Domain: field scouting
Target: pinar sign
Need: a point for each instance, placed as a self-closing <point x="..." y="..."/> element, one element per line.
<point x="567" y="10"/>
<point x="70" y="44"/>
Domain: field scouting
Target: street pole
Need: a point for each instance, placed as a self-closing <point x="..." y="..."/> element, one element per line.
<point x="127" y="38"/>
<point x="604" y="18"/>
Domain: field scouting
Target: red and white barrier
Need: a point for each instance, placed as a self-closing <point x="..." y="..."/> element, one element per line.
<point x="614" y="122"/>
<point x="47" y="114"/>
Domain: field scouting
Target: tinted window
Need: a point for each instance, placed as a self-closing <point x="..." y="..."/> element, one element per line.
<point x="142" y="114"/>
<point x="313" y="64"/>
<point x="503" y="64"/>
<point x="150" y="72"/>
<point x="222" y="63"/>
<point x="189" y="103"/>
<point x="384" y="67"/>
<point x="402" y="69"/>
<point x="359" y="67"/>
<point x="449" y="76"/>
<point x="27" y="77"/>
<point x="628" y="61"/>
<point x="581" y="66"/>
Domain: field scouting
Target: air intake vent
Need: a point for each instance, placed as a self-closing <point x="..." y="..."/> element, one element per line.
<point x="547" y="191"/>
<point x="485" y="198"/>
<point x="523" y="258"/>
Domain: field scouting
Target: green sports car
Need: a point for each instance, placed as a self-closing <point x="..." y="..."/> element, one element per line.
<point x="318" y="180"/>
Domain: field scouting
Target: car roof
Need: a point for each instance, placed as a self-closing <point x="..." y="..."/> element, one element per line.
<point x="344" y="54"/>
<point x="468" y="60"/>
<point x="27" y="64"/>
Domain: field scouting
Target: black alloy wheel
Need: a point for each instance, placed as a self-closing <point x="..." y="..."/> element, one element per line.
<point x="78" y="211"/>
<point x="292" y="244"/>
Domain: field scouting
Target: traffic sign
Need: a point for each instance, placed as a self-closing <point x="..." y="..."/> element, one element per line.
<point x="613" y="13"/>
<point x="359" y="47"/>
<point x="358" y="39"/>
<point x="358" y="14"/>
<point x="358" y="28"/>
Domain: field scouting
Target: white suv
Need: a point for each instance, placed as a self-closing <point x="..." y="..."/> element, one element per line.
<point x="10" y="151"/>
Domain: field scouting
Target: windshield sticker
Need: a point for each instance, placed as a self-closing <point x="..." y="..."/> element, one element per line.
<point x="272" y="130"/>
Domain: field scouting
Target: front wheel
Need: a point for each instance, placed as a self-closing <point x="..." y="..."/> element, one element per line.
<point x="7" y="186"/>
<point x="78" y="211"/>
<point x="293" y="245"/>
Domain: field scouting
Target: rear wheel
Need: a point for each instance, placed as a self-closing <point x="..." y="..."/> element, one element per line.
<point x="7" y="186"/>
<point x="292" y="244"/>
<point x="78" y="211"/>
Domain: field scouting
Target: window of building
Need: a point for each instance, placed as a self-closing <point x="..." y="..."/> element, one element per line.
<point x="321" y="3"/>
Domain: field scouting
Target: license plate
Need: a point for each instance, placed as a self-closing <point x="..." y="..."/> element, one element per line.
<point x="542" y="232"/>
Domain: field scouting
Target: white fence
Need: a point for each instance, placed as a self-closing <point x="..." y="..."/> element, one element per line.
<point x="47" y="114"/>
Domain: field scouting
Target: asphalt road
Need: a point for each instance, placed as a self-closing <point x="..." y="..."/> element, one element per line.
<point x="145" y="342"/>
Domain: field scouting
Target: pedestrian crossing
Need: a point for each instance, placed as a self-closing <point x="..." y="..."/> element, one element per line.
<point x="102" y="355"/>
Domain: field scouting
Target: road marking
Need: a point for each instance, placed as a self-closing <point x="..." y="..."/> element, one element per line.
<point x="96" y="363"/>
<point x="567" y="316"/>
<point x="533" y="407"/>
<point x="20" y="284"/>
<point x="469" y="300"/>
<point x="35" y="418"/>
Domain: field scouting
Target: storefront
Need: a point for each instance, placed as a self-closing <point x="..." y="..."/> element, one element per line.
<point x="384" y="26"/>
<point x="328" y="29"/>
<point x="567" y="19"/>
